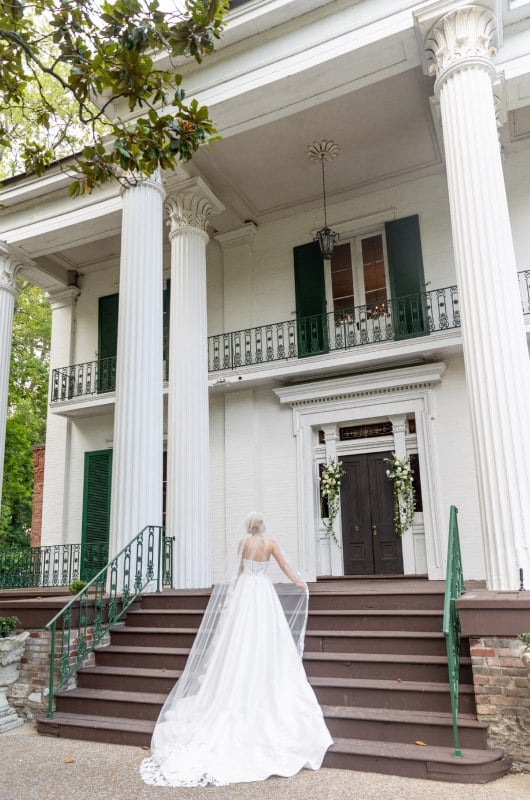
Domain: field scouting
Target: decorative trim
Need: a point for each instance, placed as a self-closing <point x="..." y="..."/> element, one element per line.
<point x="361" y="225"/>
<point x="463" y="35"/>
<point x="191" y="206"/>
<point x="238" y="237"/>
<point x="10" y="266"/>
<point x="63" y="298"/>
<point x="365" y="385"/>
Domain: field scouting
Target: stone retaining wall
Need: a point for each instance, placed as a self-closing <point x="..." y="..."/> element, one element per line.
<point x="29" y="694"/>
<point x="502" y="690"/>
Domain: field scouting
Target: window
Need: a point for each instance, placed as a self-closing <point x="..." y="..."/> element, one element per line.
<point x="359" y="275"/>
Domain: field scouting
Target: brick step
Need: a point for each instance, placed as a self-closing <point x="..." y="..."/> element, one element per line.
<point x="413" y="667"/>
<point x="398" y="725"/>
<point x="375" y="620"/>
<point x="165" y="618"/>
<point x="374" y="641"/>
<point x="413" y="761"/>
<point x="92" y="728"/>
<point x="405" y="695"/>
<point x="146" y="657"/>
<point x="111" y="703"/>
<point x="152" y="637"/>
<point x="131" y="679"/>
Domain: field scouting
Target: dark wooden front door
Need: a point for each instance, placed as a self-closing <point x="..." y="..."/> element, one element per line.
<point x="370" y="545"/>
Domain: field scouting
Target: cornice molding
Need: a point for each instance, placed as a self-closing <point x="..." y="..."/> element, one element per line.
<point x="238" y="237"/>
<point x="368" y="384"/>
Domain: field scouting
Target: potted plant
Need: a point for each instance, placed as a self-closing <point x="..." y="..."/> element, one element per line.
<point x="11" y="649"/>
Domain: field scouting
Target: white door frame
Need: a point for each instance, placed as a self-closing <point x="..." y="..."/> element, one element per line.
<point x="346" y="400"/>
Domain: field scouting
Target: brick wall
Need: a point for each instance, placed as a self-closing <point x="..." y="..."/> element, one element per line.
<point x="502" y="690"/>
<point x="38" y="487"/>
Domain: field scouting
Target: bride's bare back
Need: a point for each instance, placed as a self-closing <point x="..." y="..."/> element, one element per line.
<point x="260" y="548"/>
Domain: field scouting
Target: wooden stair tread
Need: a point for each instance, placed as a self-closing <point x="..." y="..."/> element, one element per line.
<point x="401" y="715"/>
<point x="124" y="649"/>
<point x="377" y="684"/>
<point x="127" y="629"/>
<point x="372" y="612"/>
<point x="369" y="634"/>
<point x="144" y="672"/>
<point x="122" y="696"/>
<point x="95" y="721"/>
<point x="414" y="752"/>
<point x="406" y="658"/>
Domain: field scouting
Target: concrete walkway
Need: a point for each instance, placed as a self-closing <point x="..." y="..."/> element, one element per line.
<point x="41" y="768"/>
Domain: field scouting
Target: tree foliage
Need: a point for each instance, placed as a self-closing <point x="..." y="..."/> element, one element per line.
<point x="27" y="406"/>
<point x="68" y="67"/>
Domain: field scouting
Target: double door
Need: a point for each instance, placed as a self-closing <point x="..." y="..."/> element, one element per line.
<point x="370" y="545"/>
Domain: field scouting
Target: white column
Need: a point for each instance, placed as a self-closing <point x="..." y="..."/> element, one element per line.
<point x="136" y="499"/>
<point x="459" y="47"/>
<point x="55" y="503"/>
<point x="9" y="268"/>
<point x="187" y="494"/>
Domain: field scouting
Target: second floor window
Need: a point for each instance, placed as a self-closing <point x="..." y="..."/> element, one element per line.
<point x="359" y="274"/>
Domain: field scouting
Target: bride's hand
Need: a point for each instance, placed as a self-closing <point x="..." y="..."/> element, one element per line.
<point x="302" y="584"/>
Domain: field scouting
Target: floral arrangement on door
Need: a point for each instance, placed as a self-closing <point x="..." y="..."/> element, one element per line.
<point x="330" y="481"/>
<point x="400" y="472"/>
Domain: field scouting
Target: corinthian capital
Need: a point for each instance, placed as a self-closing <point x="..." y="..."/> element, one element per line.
<point x="191" y="206"/>
<point x="465" y="33"/>
<point x="10" y="266"/>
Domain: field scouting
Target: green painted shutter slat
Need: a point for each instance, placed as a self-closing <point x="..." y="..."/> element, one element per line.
<point x="407" y="279"/>
<point x="310" y="293"/>
<point x="107" y="342"/>
<point x="96" y="511"/>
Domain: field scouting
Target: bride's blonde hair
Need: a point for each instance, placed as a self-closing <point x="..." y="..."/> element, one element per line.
<point x="254" y="522"/>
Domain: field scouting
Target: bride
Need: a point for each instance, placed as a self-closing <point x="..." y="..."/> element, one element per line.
<point x="243" y="709"/>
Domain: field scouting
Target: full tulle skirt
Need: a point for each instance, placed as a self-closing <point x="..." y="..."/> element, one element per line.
<point x="254" y="715"/>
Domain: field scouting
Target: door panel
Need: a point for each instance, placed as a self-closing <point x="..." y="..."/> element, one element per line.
<point x="355" y="513"/>
<point x="369" y="542"/>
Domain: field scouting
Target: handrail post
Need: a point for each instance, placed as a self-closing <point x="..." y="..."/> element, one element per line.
<point x="52" y="672"/>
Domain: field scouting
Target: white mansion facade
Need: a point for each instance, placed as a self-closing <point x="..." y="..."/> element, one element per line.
<point x="207" y="361"/>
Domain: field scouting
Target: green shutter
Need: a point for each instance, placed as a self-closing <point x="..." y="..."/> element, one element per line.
<point x="310" y="292"/>
<point x="96" y="512"/>
<point x="107" y="342"/>
<point x="407" y="279"/>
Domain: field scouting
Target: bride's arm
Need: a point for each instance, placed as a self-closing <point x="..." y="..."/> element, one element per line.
<point x="284" y="566"/>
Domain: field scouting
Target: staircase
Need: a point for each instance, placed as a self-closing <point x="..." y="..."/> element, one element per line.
<point x="374" y="654"/>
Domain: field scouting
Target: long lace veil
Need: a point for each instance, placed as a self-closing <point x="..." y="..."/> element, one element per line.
<point x="293" y="599"/>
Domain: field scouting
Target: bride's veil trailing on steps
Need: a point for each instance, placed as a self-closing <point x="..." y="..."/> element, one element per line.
<point x="217" y="702"/>
<point x="294" y="601"/>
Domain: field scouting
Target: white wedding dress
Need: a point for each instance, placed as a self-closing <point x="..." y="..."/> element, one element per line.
<point x="253" y="713"/>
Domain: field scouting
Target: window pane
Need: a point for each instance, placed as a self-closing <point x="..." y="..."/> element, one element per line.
<point x="374" y="270"/>
<point x="341" y="277"/>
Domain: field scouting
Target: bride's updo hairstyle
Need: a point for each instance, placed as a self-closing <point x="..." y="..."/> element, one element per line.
<point x="254" y="523"/>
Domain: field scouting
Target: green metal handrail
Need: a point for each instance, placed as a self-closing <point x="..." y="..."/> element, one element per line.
<point x="454" y="586"/>
<point x="50" y="565"/>
<point x="145" y="562"/>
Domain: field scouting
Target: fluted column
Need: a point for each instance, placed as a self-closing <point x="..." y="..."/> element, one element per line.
<point x="136" y="499"/>
<point x="9" y="267"/>
<point x="459" y="47"/>
<point x="56" y="505"/>
<point x="187" y="494"/>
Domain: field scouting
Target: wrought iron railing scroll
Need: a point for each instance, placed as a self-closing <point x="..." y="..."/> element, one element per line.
<point x="145" y="564"/>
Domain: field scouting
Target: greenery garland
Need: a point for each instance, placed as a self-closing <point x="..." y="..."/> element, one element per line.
<point x="400" y="472"/>
<point x="330" y="481"/>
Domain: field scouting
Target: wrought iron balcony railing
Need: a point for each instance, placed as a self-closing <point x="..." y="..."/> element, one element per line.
<point x="52" y="565"/>
<point x="401" y="318"/>
<point x="394" y="320"/>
